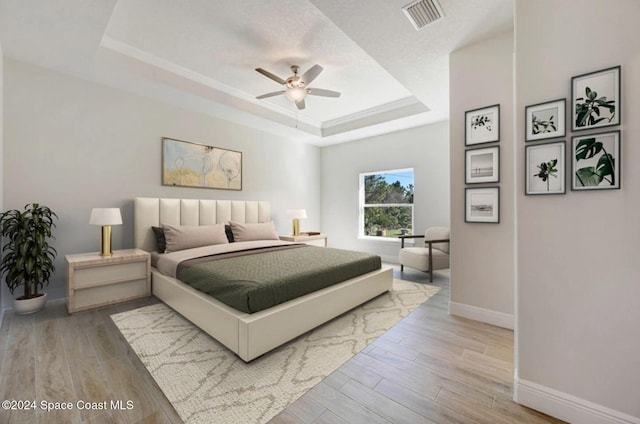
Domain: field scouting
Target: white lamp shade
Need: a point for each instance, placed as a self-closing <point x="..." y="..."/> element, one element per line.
<point x="105" y="216"/>
<point x="297" y="213"/>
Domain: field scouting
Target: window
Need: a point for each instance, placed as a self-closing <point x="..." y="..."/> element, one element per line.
<point x="386" y="203"/>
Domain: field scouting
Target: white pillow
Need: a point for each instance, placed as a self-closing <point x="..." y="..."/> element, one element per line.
<point x="250" y="232"/>
<point x="189" y="236"/>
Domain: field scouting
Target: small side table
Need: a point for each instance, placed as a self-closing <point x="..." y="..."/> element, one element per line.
<point x="94" y="281"/>
<point x="315" y="240"/>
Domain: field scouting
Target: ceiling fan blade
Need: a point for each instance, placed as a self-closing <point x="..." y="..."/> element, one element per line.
<point x="275" y="93"/>
<point x="311" y="74"/>
<point x="300" y="104"/>
<point x="322" y="92"/>
<point x="271" y="76"/>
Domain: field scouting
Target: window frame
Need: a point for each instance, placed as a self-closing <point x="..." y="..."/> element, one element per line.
<point x="362" y="206"/>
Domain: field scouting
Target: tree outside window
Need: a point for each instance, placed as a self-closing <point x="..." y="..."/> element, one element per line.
<point x="386" y="203"/>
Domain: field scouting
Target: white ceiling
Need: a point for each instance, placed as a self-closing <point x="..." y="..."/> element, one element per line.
<point x="201" y="54"/>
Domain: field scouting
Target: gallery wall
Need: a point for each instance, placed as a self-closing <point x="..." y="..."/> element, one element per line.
<point x="74" y="145"/>
<point x="578" y="269"/>
<point x="425" y="149"/>
<point x="482" y="254"/>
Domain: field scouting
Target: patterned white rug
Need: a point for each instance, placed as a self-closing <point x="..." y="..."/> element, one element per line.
<point x="207" y="383"/>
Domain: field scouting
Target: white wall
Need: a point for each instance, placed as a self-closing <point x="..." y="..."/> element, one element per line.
<point x="482" y="254"/>
<point x="425" y="149"/>
<point x="579" y="270"/>
<point x="3" y="287"/>
<point x="74" y="145"/>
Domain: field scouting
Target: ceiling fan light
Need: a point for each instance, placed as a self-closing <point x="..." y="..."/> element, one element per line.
<point x="295" y="94"/>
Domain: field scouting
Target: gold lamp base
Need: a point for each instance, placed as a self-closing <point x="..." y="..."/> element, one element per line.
<point x="296" y="227"/>
<point x="105" y="250"/>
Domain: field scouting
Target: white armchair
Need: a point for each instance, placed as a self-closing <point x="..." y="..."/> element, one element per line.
<point x="432" y="256"/>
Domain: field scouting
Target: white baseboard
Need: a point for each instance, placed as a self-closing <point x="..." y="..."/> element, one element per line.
<point x="499" y="319"/>
<point x="567" y="407"/>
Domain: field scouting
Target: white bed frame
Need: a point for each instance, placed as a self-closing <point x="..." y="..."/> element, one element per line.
<point x="247" y="335"/>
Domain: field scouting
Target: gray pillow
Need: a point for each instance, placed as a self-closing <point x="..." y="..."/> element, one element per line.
<point x="189" y="236"/>
<point x="160" y="240"/>
<point x="250" y="232"/>
<point x="227" y="229"/>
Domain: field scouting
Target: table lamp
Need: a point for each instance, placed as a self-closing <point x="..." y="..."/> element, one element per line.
<point x="296" y="215"/>
<point x="105" y="217"/>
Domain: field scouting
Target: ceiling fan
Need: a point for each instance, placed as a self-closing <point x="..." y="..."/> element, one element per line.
<point x="296" y="87"/>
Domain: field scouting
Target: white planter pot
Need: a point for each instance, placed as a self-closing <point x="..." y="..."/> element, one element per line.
<point x="29" y="306"/>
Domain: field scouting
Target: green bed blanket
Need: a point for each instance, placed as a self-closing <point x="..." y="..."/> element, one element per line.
<point x="261" y="278"/>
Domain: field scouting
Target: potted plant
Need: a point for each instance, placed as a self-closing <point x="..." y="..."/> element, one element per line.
<point x="27" y="257"/>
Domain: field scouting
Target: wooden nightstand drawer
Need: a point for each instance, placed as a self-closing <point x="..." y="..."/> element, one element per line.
<point x="98" y="275"/>
<point x="94" y="281"/>
<point x="109" y="294"/>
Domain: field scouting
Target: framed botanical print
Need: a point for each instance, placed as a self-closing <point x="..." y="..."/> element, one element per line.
<point x="545" y="120"/>
<point x="187" y="164"/>
<point x="482" y="205"/>
<point x="545" y="168"/>
<point x="595" y="99"/>
<point x="596" y="161"/>
<point x="482" y="165"/>
<point x="482" y="125"/>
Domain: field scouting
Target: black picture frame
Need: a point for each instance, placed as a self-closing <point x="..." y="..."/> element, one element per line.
<point x="482" y="165"/>
<point x="545" y="120"/>
<point x="545" y="168"/>
<point x="482" y="205"/>
<point x="596" y="99"/>
<point x="596" y="161"/>
<point x="482" y="125"/>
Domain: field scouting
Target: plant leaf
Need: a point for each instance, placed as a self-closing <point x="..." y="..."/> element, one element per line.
<point x="606" y="165"/>
<point x="581" y="117"/>
<point x="588" y="148"/>
<point x="588" y="176"/>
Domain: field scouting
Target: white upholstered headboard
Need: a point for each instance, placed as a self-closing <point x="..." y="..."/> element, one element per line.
<point x="153" y="211"/>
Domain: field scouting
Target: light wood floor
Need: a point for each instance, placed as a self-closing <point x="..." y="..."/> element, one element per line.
<point x="429" y="368"/>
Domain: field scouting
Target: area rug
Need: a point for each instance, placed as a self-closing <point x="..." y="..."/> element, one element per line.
<point x="207" y="383"/>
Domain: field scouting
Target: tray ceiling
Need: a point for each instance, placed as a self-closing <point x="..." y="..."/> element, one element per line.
<point x="201" y="55"/>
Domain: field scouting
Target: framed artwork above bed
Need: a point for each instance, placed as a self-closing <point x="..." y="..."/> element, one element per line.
<point x="186" y="164"/>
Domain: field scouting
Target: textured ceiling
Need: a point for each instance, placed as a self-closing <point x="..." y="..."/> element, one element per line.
<point x="226" y="42"/>
<point x="201" y="54"/>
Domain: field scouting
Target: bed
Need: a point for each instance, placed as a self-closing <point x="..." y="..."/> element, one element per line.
<point x="248" y="335"/>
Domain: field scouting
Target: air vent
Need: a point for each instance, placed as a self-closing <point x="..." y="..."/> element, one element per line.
<point x="423" y="12"/>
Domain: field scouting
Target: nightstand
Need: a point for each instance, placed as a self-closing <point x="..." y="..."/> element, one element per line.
<point x="94" y="281"/>
<point x="315" y="240"/>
